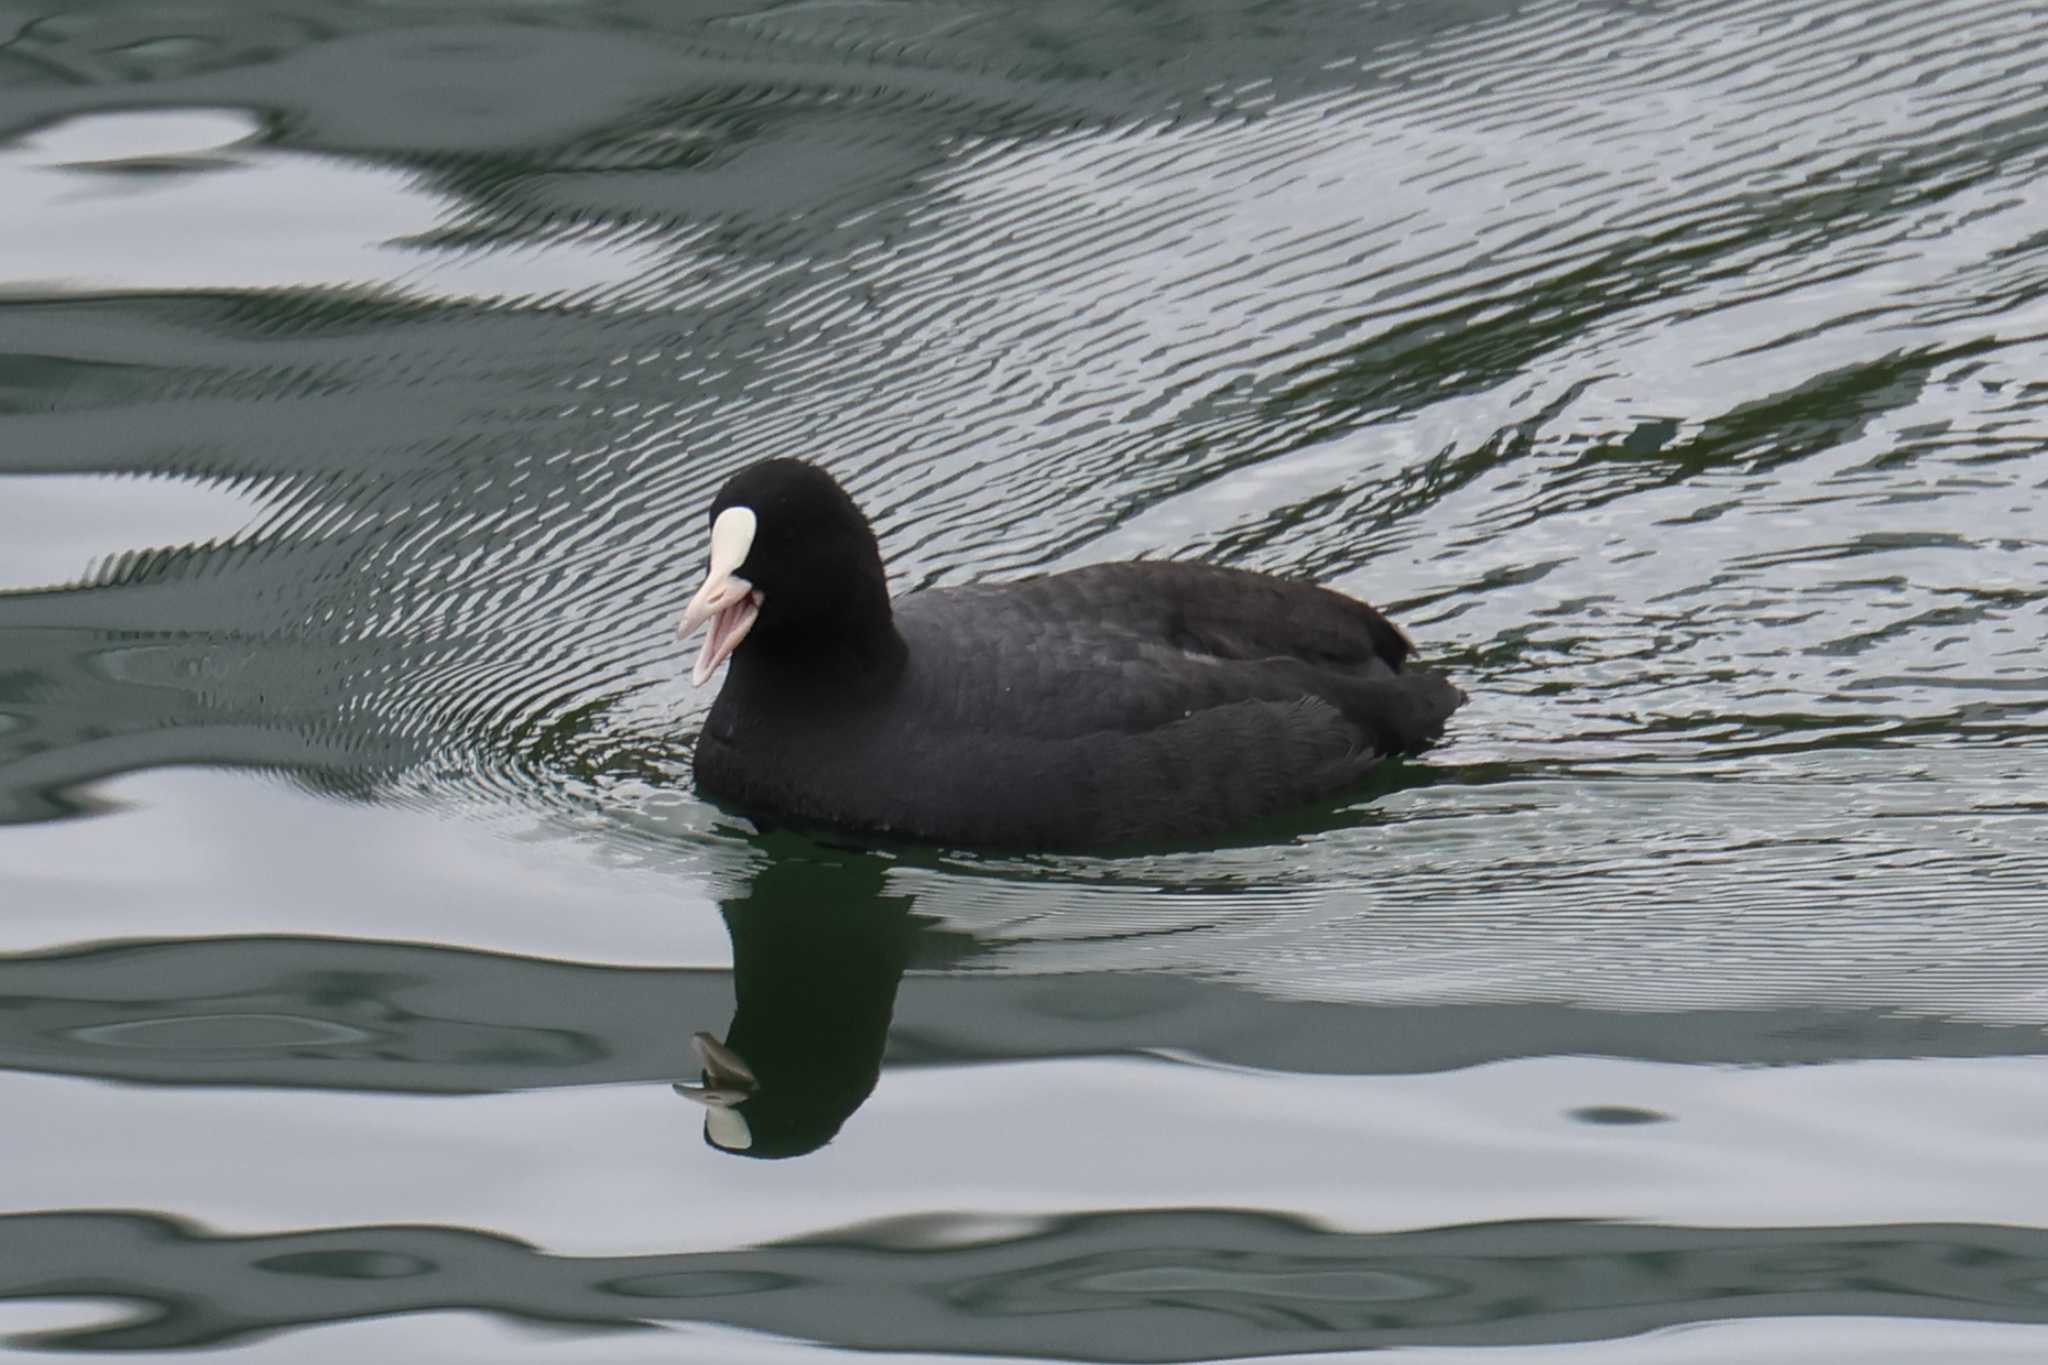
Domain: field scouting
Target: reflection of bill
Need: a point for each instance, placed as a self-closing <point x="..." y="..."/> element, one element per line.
<point x="817" y="954"/>
<point x="728" y="1083"/>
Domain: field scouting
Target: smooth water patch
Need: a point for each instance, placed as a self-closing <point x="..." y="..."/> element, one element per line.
<point x="96" y="196"/>
<point x="64" y="529"/>
<point x="210" y="852"/>
<point x="1762" y="1191"/>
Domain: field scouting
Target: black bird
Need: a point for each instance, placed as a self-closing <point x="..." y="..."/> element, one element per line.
<point x="1112" y="705"/>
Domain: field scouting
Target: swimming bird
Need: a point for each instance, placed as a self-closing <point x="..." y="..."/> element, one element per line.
<point x="1118" y="704"/>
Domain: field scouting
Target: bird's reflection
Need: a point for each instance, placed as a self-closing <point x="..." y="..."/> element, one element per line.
<point x="817" y="953"/>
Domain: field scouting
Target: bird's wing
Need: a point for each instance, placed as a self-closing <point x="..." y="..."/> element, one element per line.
<point x="1226" y="613"/>
<point x="1199" y="774"/>
<point x="986" y="662"/>
<point x="1131" y="647"/>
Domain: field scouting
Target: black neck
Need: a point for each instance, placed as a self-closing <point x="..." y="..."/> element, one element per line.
<point x="851" y="650"/>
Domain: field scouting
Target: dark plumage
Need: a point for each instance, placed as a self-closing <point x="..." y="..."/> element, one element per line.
<point x="1116" y="704"/>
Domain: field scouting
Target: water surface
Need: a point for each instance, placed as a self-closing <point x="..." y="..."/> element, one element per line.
<point x="1675" y="373"/>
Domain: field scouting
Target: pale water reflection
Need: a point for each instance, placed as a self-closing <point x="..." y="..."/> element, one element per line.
<point x="1673" y="371"/>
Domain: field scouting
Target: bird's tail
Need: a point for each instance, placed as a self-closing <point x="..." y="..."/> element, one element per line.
<point x="1406" y="713"/>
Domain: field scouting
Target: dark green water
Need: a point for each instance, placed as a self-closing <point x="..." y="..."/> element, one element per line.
<point x="1676" y="372"/>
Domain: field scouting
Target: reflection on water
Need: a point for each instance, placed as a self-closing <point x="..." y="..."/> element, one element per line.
<point x="817" y="954"/>
<point x="1674" y="372"/>
<point x="821" y="943"/>
<point x="1184" y="1285"/>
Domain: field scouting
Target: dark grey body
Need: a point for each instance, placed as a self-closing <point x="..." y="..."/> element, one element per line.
<point x="1111" y="705"/>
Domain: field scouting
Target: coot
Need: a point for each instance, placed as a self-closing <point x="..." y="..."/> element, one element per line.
<point x="1110" y="705"/>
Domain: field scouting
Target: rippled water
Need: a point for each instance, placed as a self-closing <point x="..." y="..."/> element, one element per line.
<point x="1676" y="372"/>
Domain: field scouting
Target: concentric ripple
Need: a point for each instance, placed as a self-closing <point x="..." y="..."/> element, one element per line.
<point x="1675" y="389"/>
